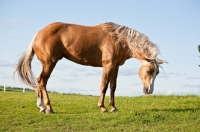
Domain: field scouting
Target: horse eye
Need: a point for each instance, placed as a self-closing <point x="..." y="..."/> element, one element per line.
<point x="148" y="72"/>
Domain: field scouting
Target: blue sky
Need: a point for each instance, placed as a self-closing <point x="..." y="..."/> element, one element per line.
<point x="173" y="25"/>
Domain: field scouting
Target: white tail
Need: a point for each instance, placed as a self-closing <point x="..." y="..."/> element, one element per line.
<point x="23" y="68"/>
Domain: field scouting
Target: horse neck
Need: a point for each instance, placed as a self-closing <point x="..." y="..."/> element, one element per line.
<point x="137" y="55"/>
<point x="140" y="53"/>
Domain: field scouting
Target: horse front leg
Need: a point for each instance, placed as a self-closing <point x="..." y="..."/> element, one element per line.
<point x="107" y="71"/>
<point x="113" y="85"/>
<point x="104" y="87"/>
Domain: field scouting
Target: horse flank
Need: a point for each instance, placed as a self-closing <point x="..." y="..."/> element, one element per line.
<point x="138" y="43"/>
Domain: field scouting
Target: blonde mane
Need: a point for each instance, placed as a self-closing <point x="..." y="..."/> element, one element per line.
<point x="138" y="43"/>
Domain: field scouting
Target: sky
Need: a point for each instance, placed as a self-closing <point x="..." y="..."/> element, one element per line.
<point x="174" y="26"/>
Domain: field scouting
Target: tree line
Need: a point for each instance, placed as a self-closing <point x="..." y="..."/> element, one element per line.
<point x="199" y="50"/>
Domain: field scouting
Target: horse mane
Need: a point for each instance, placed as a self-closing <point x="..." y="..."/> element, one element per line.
<point x="138" y="43"/>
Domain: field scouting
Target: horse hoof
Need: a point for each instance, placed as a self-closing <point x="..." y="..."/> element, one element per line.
<point x="103" y="110"/>
<point x="114" y="110"/>
<point x="42" y="111"/>
<point x="48" y="111"/>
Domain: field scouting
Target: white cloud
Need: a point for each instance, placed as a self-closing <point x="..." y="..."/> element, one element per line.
<point x="12" y="21"/>
<point x="67" y="79"/>
<point x="128" y="72"/>
<point x="6" y="64"/>
<point x="91" y="73"/>
<point x="137" y="84"/>
<point x="9" y="24"/>
<point x="74" y="75"/>
<point x="62" y="67"/>
<point x="162" y="76"/>
<point x="177" y="74"/>
<point x="5" y="76"/>
<point x="193" y="78"/>
<point x="190" y="86"/>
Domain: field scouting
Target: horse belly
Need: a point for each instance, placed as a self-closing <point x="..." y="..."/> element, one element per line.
<point x="85" y="56"/>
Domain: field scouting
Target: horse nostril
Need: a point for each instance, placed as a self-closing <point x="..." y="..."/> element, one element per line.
<point x="145" y="91"/>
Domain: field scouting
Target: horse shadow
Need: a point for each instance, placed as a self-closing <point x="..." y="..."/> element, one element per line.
<point x="176" y="109"/>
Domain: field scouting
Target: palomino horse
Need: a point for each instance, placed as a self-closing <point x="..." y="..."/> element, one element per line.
<point x="106" y="45"/>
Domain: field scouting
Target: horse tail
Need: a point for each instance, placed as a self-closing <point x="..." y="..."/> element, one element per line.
<point x="23" y="67"/>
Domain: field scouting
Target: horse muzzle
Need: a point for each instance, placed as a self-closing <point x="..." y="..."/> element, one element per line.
<point x="147" y="90"/>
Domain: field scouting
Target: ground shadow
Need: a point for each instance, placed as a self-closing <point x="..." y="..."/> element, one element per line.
<point x="177" y="109"/>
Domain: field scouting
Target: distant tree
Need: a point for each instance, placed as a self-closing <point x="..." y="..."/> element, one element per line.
<point x="199" y="50"/>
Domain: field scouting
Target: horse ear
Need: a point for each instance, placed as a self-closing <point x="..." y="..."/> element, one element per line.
<point x="155" y="60"/>
<point x="161" y="61"/>
<point x="149" y="59"/>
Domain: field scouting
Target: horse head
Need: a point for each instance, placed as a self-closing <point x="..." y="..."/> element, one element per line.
<point x="148" y="72"/>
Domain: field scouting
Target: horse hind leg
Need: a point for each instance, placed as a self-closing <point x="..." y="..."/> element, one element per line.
<point x="42" y="81"/>
<point x="39" y="103"/>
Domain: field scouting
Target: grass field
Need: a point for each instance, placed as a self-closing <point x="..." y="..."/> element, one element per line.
<point x="18" y="112"/>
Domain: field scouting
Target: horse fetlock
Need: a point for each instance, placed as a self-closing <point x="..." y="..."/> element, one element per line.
<point x="103" y="110"/>
<point x="114" y="109"/>
<point x="100" y="105"/>
<point x="42" y="110"/>
<point x="111" y="104"/>
<point x="49" y="111"/>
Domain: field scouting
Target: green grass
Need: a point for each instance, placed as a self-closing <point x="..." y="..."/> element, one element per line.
<point x="80" y="113"/>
